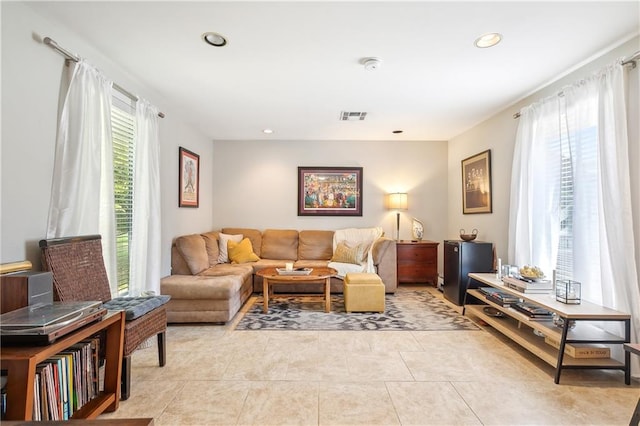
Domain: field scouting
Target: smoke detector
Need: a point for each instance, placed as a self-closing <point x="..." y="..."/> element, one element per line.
<point x="371" y="64"/>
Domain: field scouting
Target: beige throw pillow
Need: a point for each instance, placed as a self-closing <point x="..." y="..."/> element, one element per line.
<point x="349" y="253"/>
<point x="223" y="257"/>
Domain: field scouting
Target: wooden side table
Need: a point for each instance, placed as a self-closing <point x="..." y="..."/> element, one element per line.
<point x="417" y="262"/>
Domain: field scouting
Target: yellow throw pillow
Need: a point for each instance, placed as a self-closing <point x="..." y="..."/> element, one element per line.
<point x="241" y="252"/>
<point x="345" y="253"/>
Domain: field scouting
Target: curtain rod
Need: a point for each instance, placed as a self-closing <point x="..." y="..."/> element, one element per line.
<point x="631" y="61"/>
<point x="71" y="57"/>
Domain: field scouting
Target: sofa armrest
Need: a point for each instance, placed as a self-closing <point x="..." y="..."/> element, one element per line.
<point x="385" y="261"/>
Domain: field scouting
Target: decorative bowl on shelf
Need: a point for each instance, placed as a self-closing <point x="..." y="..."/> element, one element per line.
<point x="532" y="273"/>
<point x="493" y="312"/>
<point x="468" y="237"/>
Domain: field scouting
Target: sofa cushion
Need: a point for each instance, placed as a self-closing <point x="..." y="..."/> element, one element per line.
<point x="279" y="244"/>
<point x="241" y="252"/>
<point x="269" y="263"/>
<point x="202" y="287"/>
<point x="349" y="252"/>
<point x="315" y="245"/>
<point x="213" y="249"/>
<point x="223" y="239"/>
<point x="193" y="249"/>
<point x="243" y="269"/>
<point x="311" y="264"/>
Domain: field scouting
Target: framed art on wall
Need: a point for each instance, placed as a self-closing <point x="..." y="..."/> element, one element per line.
<point x="476" y="183"/>
<point x="189" y="180"/>
<point x="329" y="191"/>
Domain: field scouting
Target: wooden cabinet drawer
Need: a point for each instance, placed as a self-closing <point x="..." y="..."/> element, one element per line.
<point x="411" y="269"/>
<point x="422" y="254"/>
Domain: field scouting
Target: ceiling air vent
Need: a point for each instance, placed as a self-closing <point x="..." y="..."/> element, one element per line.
<point x="352" y="116"/>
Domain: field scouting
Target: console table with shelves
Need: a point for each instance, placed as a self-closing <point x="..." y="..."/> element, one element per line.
<point x="519" y="327"/>
<point x="20" y="364"/>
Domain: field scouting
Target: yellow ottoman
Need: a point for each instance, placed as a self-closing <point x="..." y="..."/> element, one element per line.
<point x="363" y="292"/>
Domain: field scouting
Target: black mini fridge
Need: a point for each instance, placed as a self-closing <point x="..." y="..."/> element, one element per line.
<point x="461" y="258"/>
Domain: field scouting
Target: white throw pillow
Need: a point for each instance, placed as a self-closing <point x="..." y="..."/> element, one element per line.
<point x="223" y="257"/>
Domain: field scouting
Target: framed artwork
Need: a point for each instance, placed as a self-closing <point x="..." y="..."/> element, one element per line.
<point x="476" y="183"/>
<point x="329" y="191"/>
<point x="189" y="180"/>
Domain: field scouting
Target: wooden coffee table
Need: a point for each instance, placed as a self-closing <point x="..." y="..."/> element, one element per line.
<point x="271" y="276"/>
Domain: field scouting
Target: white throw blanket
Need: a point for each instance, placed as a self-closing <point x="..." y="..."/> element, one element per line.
<point x="357" y="236"/>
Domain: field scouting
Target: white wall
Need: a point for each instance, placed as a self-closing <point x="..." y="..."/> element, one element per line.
<point x="31" y="77"/>
<point x="498" y="134"/>
<point x="256" y="183"/>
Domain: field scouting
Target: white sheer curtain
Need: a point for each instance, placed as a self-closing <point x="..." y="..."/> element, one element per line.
<point x="592" y="111"/>
<point x="145" y="247"/>
<point x="534" y="222"/>
<point x="82" y="185"/>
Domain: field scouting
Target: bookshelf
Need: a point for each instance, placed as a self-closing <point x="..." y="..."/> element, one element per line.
<point x="20" y="364"/>
<point x="519" y="328"/>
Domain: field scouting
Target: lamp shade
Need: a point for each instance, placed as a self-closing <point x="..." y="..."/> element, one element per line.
<point x="397" y="201"/>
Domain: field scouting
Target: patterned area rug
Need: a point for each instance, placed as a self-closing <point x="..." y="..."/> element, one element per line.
<point x="407" y="309"/>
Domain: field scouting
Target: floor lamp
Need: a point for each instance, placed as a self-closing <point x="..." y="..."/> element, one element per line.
<point x="397" y="201"/>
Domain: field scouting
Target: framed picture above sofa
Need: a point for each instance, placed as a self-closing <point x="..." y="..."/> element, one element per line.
<point x="189" y="178"/>
<point x="329" y="191"/>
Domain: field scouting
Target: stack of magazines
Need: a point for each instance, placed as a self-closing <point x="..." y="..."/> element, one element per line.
<point x="499" y="297"/>
<point x="534" y="312"/>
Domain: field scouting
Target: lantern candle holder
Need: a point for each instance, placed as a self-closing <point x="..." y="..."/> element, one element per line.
<point x="568" y="291"/>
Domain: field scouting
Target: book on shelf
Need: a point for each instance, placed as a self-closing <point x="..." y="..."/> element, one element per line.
<point x="35" y="412"/>
<point x="528" y="286"/>
<point x="502" y="299"/>
<point x="581" y="350"/>
<point x="489" y="290"/>
<point x="66" y="381"/>
<point x="533" y="311"/>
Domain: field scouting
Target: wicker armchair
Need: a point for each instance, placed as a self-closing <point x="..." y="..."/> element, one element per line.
<point x="79" y="274"/>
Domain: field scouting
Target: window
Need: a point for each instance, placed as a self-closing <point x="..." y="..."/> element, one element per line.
<point x="123" y="130"/>
<point x="574" y="148"/>
<point x="564" y="266"/>
<point x="578" y="193"/>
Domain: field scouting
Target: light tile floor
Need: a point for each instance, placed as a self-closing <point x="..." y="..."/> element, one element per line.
<point x="217" y="376"/>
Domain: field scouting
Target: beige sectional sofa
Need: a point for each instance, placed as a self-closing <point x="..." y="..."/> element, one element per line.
<point x="203" y="289"/>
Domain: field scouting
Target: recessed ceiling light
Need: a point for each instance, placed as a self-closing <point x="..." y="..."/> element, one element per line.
<point x="214" y="39"/>
<point x="488" y="40"/>
<point x="267" y="131"/>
